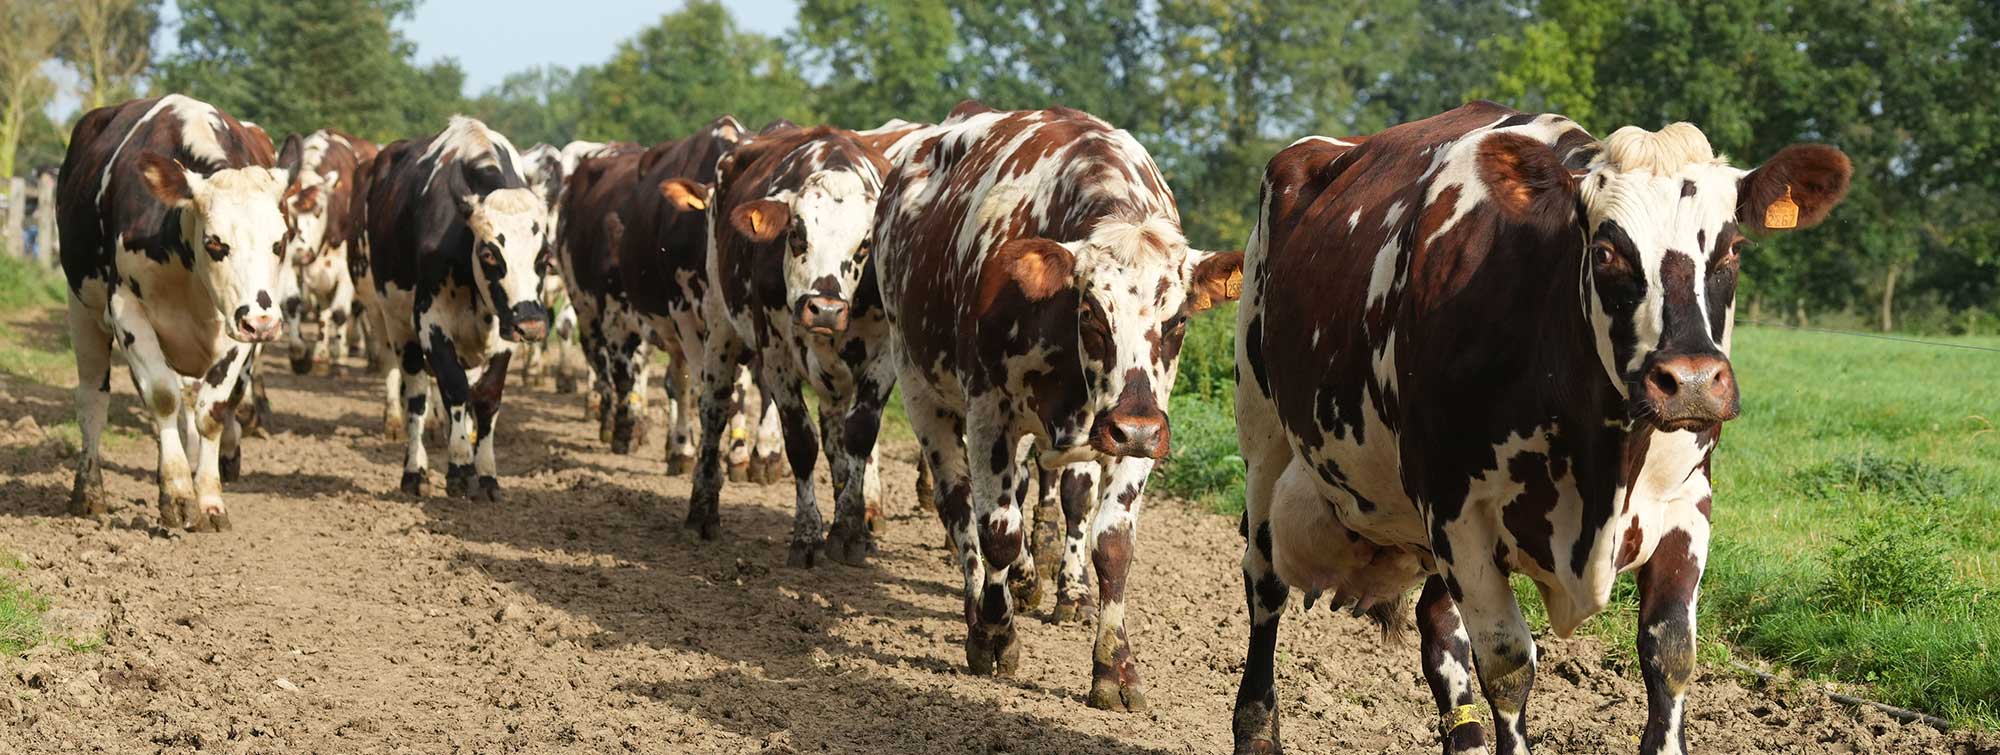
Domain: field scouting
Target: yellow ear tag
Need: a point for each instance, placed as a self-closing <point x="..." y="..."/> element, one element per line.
<point x="1462" y="715"/>
<point x="1783" y="213"/>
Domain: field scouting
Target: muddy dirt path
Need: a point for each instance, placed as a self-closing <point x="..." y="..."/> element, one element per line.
<point x="340" y="616"/>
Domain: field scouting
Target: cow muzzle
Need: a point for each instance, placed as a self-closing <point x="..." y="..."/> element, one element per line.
<point x="263" y="327"/>
<point x="529" y="322"/>
<point x="1141" y="434"/>
<point x="823" y="315"/>
<point x="1691" y="391"/>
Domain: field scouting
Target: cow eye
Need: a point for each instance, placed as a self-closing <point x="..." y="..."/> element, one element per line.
<point x="1736" y="249"/>
<point x="488" y="253"/>
<point x="215" y="246"/>
<point x="1605" y="256"/>
<point x="278" y="249"/>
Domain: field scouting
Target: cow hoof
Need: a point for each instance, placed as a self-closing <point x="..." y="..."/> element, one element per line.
<point x="804" y="554"/>
<point x="1027" y="592"/>
<point x="704" y="526"/>
<point x="593" y="406"/>
<point x="302" y="366"/>
<point x="458" y="480"/>
<point x="1258" y="747"/>
<point x="392" y="429"/>
<point x="1075" y="611"/>
<point x="416" y="484"/>
<point x="1110" y="694"/>
<point x="620" y="445"/>
<point x="86" y="497"/>
<point x="678" y="465"/>
<point x="218" y="521"/>
<point x="231" y="466"/>
<point x="996" y="654"/>
<point x="739" y="472"/>
<point x="487" y="490"/>
<point x="173" y="513"/>
<point x="850" y="547"/>
<point x="877" y="523"/>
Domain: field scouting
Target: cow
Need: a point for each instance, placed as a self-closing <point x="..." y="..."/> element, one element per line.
<point x="615" y="340"/>
<point x="1487" y="343"/>
<point x="1038" y="287"/>
<point x="664" y="271"/>
<point x="456" y="247"/>
<point x="173" y="245"/>
<point x="791" y="295"/>
<point x="323" y="225"/>
<point x="547" y="169"/>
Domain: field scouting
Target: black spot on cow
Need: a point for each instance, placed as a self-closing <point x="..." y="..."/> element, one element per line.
<point x="339" y="317"/>
<point x="264" y="299"/>
<point x="1253" y="352"/>
<point x="1517" y="119"/>
<point x="133" y="283"/>
<point x="1687" y="188"/>
<point x="220" y="370"/>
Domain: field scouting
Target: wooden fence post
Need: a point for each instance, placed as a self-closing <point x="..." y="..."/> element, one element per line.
<point x="17" y="206"/>
<point x="46" y="242"/>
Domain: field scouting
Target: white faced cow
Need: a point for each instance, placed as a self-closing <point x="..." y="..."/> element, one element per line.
<point x="457" y="247"/>
<point x="1485" y="343"/>
<point x="1038" y="286"/>
<point x="173" y="244"/>
<point x="320" y="210"/>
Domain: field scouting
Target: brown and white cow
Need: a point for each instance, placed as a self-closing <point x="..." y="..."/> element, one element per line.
<point x="1038" y="286"/>
<point x="173" y="245"/>
<point x="790" y="294"/>
<point x="615" y="341"/>
<point x="457" y="248"/>
<point x="324" y="227"/>
<point x="1487" y="343"/>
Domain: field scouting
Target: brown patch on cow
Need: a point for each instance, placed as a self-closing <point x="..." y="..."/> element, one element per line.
<point x="685" y="195"/>
<point x="166" y="179"/>
<point x="761" y="221"/>
<point x="968" y="108"/>
<point x="1040" y="268"/>
<point x="1216" y="280"/>
<point x="1628" y="546"/>
<point x="1524" y="178"/>
<point x="1813" y="176"/>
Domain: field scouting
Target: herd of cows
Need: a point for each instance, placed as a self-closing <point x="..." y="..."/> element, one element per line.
<point x="1477" y="344"/>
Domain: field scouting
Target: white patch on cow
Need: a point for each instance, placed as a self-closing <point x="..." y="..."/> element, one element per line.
<point x="1354" y="220"/>
<point x="1383" y="274"/>
<point x="470" y="141"/>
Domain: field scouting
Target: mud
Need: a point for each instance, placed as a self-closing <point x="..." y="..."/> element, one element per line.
<point x="341" y="616"/>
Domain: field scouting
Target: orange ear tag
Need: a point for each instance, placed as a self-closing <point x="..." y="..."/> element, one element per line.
<point x="1783" y="213"/>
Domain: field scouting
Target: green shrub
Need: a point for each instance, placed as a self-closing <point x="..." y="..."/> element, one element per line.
<point x="24" y="284"/>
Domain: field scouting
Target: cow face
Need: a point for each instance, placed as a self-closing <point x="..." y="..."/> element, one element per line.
<point x="508" y="248"/>
<point x="1664" y="224"/>
<point x="1135" y="286"/>
<point x="232" y="222"/>
<point x="305" y="214"/>
<point x="826" y="226"/>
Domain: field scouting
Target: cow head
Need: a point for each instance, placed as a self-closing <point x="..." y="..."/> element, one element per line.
<point x="1664" y="222"/>
<point x="1135" y="284"/>
<point x="826" y="225"/>
<point x="231" y="221"/>
<point x="305" y="213"/>
<point x="508" y="247"/>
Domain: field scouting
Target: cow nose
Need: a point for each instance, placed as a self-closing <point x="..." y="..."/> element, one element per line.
<point x="531" y="321"/>
<point x="825" y="315"/>
<point x="1692" y="391"/>
<point x="1143" y="435"/>
<point x="262" y="327"/>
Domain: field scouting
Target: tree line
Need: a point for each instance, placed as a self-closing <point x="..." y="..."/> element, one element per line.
<point x="1212" y="87"/>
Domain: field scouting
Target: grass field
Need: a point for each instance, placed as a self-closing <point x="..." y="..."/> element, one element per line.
<point x="1857" y="514"/>
<point x="24" y="287"/>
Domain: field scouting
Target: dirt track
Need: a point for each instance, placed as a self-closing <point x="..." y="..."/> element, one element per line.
<point x="340" y="616"/>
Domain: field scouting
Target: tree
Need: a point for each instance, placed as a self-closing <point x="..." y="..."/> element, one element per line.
<point x="881" y="59"/>
<point x="31" y="30"/>
<point x="110" y="44"/>
<point x="540" y="104"/>
<point x="682" y="72"/>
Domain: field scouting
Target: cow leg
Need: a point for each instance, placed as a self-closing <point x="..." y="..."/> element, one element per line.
<point x="415" y="391"/>
<point x="334" y="322"/>
<point x="215" y="397"/>
<point x="741" y="397"/>
<point x="1047" y="542"/>
<point x="1447" y="661"/>
<point x="926" y="490"/>
<point x="995" y="531"/>
<point x="160" y="388"/>
<point x="851" y="453"/>
<point x="802" y="445"/>
<point x="92" y="347"/>
<point x="1669" y="585"/>
<point x="681" y="400"/>
<point x="1503" y="648"/>
<point x="625" y="363"/>
<point x="393" y="415"/>
<point x="486" y="394"/>
<point x="766" y="465"/>
<point x="254" y="415"/>
<point x="871" y="490"/>
<point x="230" y="465"/>
<point x="1076" y="491"/>
<point x="1255" y="725"/>
<point x="719" y="382"/>
<point x="941" y="432"/>
<point x="293" y="306"/>
<point x="454" y="385"/>
<point x="1024" y="577"/>
<point x="1114" y="675"/>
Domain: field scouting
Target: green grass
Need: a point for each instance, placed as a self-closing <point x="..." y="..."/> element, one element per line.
<point x="1855" y="515"/>
<point x="20" y="611"/>
<point x="24" y="285"/>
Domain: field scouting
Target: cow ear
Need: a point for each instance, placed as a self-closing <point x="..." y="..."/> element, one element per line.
<point x="306" y="199"/>
<point x="685" y="195"/>
<point x="170" y="183"/>
<point x="1218" y="277"/>
<point x="1794" y="189"/>
<point x="1526" y="180"/>
<point x="1040" y="268"/>
<point x="761" y="221"/>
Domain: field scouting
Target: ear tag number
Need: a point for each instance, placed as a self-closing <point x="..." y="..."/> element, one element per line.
<point x="1783" y="213"/>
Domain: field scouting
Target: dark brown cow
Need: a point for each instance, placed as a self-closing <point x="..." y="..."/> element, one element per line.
<point x="173" y="243"/>
<point x="1038" y="287"/>
<point x="1486" y="343"/>
<point x="613" y="337"/>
